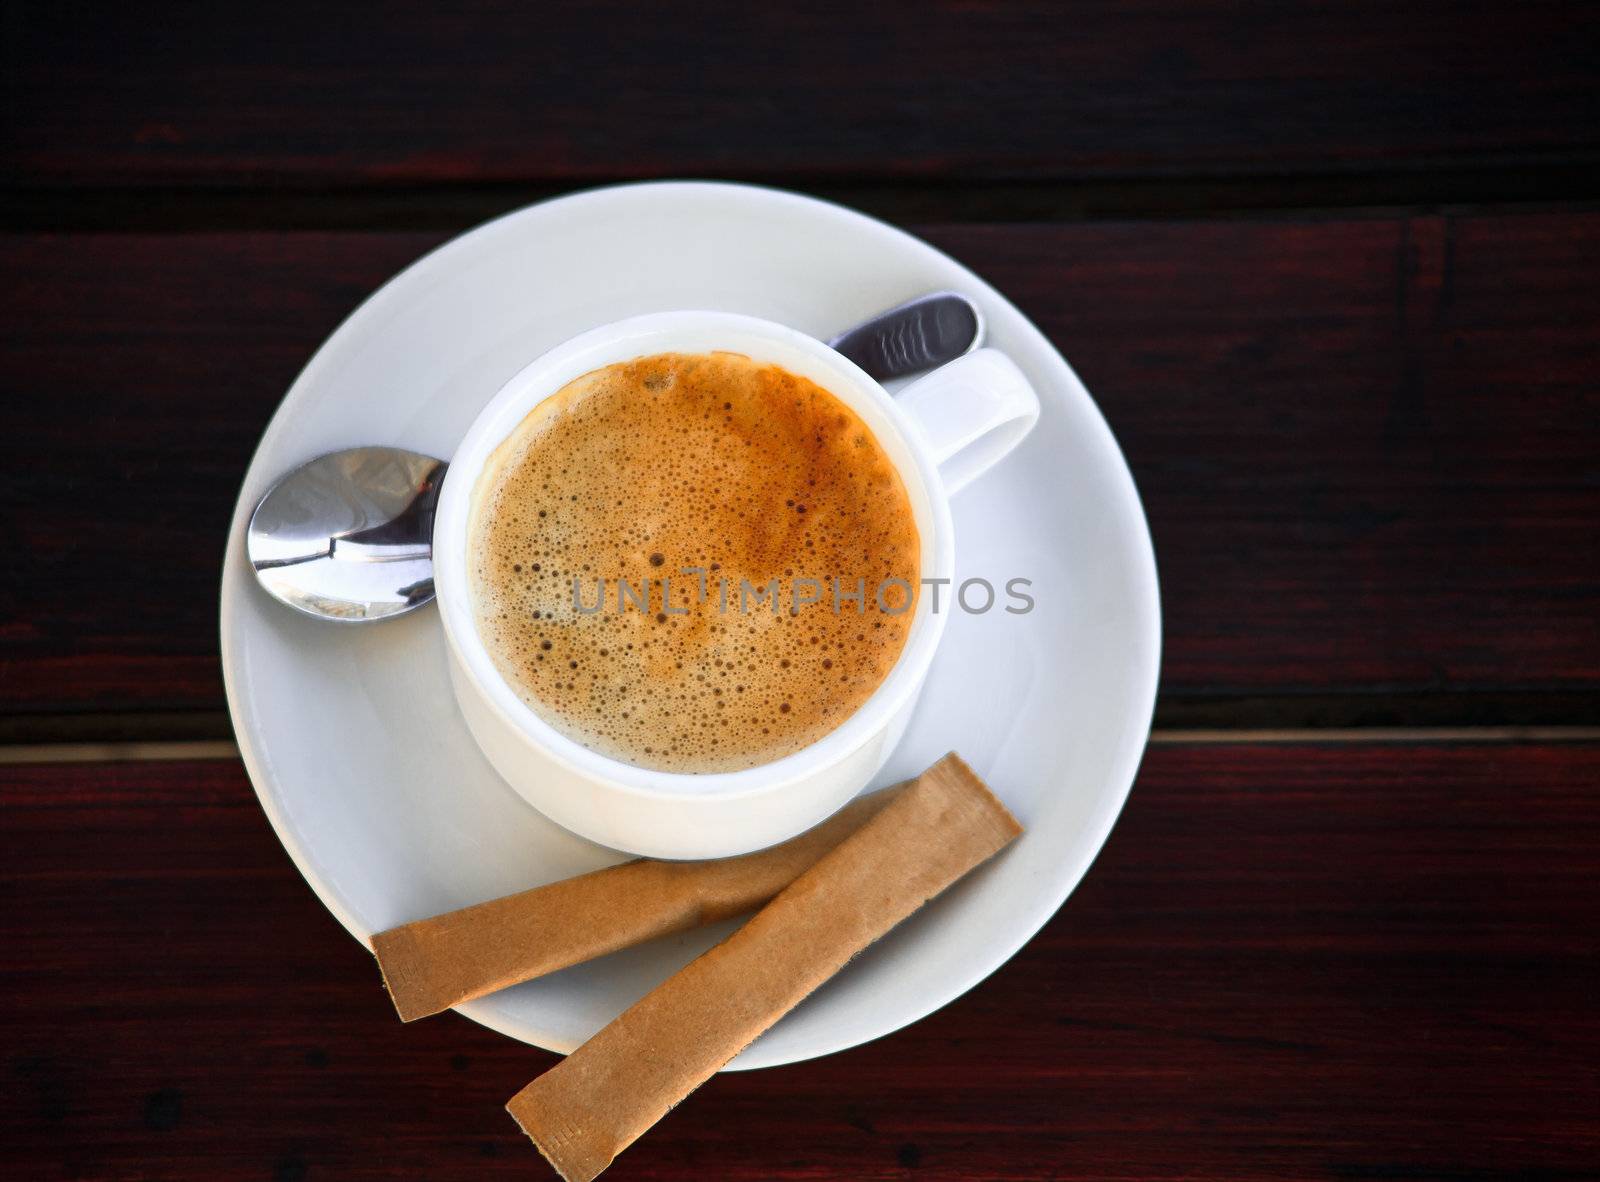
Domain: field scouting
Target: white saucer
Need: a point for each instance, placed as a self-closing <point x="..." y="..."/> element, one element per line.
<point x="352" y="738"/>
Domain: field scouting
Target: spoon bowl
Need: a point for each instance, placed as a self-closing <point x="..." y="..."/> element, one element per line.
<point x="349" y="536"/>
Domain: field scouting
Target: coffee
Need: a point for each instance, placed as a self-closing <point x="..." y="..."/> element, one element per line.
<point x="632" y="538"/>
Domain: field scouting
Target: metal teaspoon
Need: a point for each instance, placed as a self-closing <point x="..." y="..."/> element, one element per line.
<point x="349" y="536"/>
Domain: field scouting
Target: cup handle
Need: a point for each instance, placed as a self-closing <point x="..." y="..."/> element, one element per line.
<point x="970" y="413"/>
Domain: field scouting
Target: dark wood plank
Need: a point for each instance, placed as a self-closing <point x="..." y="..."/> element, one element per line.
<point x="1306" y="962"/>
<point x="1368" y="449"/>
<point x="384" y="95"/>
<point x="141" y="371"/>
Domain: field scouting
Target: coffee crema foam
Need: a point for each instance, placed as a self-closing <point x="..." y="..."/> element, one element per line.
<point x="641" y="469"/>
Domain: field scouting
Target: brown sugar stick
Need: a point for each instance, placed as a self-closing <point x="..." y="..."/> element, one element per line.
<point x="433" y="964"/>
<point x="595" y="1103"/>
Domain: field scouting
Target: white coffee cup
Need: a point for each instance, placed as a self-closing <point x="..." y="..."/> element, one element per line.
<point x="941" y="432"/>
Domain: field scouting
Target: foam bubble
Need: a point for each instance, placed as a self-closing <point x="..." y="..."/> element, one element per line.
<point x="634" y="472"/>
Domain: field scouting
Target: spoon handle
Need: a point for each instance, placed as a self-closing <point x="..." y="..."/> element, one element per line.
<point x="920" y="334"/>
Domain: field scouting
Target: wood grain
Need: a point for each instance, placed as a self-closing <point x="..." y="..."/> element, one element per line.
<point x="382" y="95"/>
<point x="142" y="371"/>
<point x="1367" y="447"/>
<point x="1300" y="961"/>
<point x="1369" y="450"/>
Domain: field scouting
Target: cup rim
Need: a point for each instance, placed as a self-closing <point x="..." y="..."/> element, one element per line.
<point x="643" y="335"/>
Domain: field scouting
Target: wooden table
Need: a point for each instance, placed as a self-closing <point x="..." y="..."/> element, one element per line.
<point x="1329" y="270"/>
